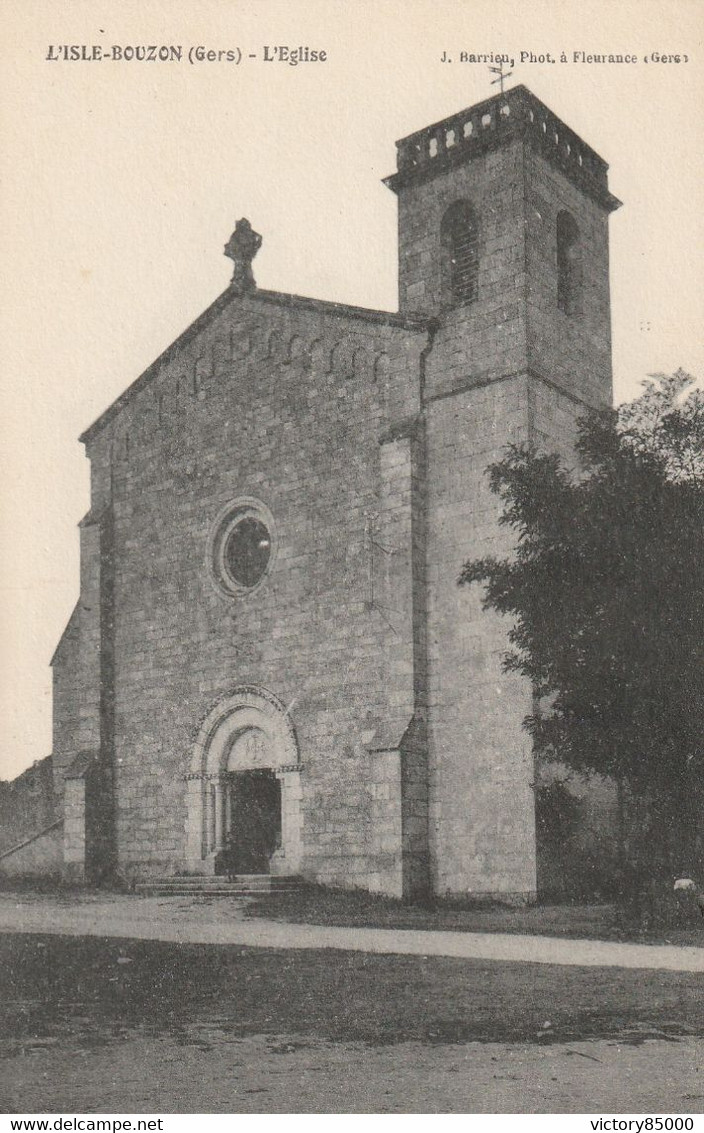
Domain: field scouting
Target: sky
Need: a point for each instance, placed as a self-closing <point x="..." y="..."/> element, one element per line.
<point x="122" y="181"/>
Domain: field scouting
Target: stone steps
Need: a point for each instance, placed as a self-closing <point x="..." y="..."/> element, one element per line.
<point x="243" y="885"/>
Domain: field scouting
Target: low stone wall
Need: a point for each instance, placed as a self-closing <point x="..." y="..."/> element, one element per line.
<point x="39" y="856"/>
<point x="27" y="804"/>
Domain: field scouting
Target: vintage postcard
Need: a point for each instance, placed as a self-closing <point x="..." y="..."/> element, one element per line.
<point x="280" y="829"/>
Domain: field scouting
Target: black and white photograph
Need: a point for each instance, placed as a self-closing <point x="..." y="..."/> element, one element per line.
<point x="352" y="575"/>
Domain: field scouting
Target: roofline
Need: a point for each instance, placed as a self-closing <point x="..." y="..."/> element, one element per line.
<point x="366" y="314"/>
<point x="72" y="621"/>
<point x="275" y="298"/>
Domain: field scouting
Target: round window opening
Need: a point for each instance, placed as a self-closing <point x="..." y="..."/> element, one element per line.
<point x="247" y="552"/>
<point x="241" y="547"/>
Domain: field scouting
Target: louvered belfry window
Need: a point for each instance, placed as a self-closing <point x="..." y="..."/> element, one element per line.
<point x="569" y="265"/>
<point x="460" y="242"/>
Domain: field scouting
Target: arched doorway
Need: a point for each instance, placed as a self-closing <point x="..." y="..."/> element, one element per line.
<point x="244" y="789"/>
<point x="252" y="802"/>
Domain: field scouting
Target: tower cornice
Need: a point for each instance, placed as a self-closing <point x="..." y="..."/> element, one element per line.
<point x="492" y="124"/>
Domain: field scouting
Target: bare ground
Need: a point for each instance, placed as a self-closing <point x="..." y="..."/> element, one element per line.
<point x="209" y="1072"/>
<point x="110" y="1025"/>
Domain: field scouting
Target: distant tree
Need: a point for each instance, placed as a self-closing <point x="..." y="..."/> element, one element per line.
<point x="667" y="421"/>
<point x="606" y="594"/>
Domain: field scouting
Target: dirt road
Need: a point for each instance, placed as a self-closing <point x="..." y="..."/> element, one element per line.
<point x="208" y="1072"/>
<point x="199" y="921"/>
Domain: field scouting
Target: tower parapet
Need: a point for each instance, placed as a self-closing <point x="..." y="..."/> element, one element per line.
<point x="491" y="124"/>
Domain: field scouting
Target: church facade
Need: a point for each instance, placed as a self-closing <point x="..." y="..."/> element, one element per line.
<point x="271" y="668"/>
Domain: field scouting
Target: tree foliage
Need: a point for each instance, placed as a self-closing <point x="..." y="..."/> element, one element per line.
<point x="606" y="592"/>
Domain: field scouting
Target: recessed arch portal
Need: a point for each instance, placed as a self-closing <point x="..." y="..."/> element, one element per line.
<point x="247" y="735"/>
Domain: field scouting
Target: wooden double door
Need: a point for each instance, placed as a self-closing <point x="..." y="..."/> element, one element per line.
<point x="254" y="821"/>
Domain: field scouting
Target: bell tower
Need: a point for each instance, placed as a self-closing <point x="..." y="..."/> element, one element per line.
<point x="503" y="240"/>
<point x="503" y="234"/>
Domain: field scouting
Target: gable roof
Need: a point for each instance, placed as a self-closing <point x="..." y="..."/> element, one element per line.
<point x="274" y="298"/>
<point x="69" y="628"/>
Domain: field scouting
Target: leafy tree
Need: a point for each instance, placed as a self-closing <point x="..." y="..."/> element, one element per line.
<point x="606" y="594"/>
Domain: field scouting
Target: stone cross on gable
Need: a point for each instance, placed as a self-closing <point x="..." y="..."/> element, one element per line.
<point x="242" y="247"/>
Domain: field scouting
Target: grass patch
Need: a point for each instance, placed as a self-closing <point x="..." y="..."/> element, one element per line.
<point x="96" y="991"/>
<point x="317" y="904"/>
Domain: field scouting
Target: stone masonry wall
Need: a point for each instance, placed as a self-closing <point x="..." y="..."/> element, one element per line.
<point x="482" y="772"/>
<point x="66" y="740"/>
<point x="285" y="404"/>
<point x="481" y="766"/>
<point x="82" y="688"/>
<point x="76" y="664"/>
<point x="574" y="351"/>
<point x="487" y="338"/>
<point x="509" y="367"/>
<point x="40" y="856"/>
<point x="27" y="804"/>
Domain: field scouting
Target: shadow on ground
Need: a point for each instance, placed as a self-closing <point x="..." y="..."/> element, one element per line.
<point x="316" y="904"/>
<point x="99" y="991"/>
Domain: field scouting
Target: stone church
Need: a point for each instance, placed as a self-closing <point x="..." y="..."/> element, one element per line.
<point x="271" y="668"/>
